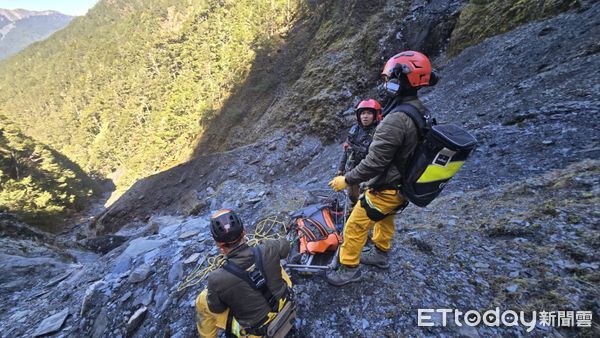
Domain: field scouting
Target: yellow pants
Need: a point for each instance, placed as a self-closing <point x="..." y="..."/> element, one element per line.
<point x="208" y="322"/>
<point x="358" y="225"/>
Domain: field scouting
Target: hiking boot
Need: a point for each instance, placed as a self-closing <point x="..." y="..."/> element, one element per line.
<point x="343" y="275"/>
<point x="376" y="258"/>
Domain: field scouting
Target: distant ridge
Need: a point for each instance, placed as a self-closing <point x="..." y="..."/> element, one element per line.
<point x="20" y="27"/>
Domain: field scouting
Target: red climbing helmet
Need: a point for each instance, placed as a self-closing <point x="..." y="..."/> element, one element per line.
<point x="369" y="104"/>
<point x="414" y="65"/>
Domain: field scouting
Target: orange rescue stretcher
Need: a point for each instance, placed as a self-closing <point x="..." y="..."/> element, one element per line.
<point x="316" y="235"/>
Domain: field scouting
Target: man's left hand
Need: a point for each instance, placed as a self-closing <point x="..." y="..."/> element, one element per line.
<point x="338" y="183"/>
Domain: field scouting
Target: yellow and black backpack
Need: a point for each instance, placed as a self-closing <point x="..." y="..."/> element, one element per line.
<point x="442" y="150"/>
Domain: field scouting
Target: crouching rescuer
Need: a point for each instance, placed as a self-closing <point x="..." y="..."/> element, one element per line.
<point x="394" y="142"/>
<point x="250" y="295"/>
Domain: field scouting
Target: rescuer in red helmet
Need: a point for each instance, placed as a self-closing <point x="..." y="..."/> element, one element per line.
<point x="360" y="135"/>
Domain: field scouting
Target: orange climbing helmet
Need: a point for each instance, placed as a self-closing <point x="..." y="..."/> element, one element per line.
<point x="414" y="65"/>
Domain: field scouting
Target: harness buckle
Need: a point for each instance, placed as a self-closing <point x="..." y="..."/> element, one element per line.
<point x="257" y="278"/>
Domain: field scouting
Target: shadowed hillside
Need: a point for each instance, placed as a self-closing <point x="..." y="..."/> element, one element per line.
<point x="37" y="182"/>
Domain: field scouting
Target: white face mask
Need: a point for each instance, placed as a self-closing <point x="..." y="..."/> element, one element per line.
<point x="392" y="86"/>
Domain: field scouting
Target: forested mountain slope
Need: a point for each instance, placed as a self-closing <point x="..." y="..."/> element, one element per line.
<point x="141" y="86"/>
<point x="37" y="182"/>
<point x="517" y="228"/>
<point x="133" y="82"/>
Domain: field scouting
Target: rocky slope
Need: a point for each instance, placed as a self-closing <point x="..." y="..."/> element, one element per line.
<point x="20" y="28"/>
<point x="517" y="228"/>
<point x="538" y="251"/>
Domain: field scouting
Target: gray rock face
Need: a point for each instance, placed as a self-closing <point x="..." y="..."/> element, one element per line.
<point x="141" y="245"/>
<point x="161" y="295"/>
<point x="125" y="296"/>
<point x="136" y="320"/>
<point x="190" y="204"/>
<point x="92" y="297"/>
<point x="100" y="324"/>
<point x="139" y="274"/>
<point x="189" y="234"/>
<point x="52" y="323"/>
<point x="528" y="115"/>
<point x="144" y="297"/>
<point x="16" y="262"/>
<point x="175" y="273"/>
<point x="467" y="332"/>
<point x="103" y="244"/>
<point x="123" y="264"/>
<point x="193" y="258"/>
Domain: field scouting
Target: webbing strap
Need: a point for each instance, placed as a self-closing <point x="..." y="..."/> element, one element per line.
<point x="374" y="213"/>
<point x="414" y="114"/>
<point x="257" y="279"/>
<point x="228" y="326"/>
<point x="264" y="288"/>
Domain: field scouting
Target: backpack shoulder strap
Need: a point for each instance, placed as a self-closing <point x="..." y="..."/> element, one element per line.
<point x="423" y="123"/>
<point x="242" y="274"/>
<point x="258" y="261"/>
<point x="262" y="284"/>
<point x="414" y="114"/>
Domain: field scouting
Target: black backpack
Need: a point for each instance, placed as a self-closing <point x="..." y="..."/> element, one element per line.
<point x="441" y="152"/>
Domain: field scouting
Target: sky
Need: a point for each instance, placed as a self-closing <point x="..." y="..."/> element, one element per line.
<point x="69" y="7"/>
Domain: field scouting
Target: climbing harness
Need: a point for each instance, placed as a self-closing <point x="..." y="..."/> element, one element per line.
<point x="276" y="326"/>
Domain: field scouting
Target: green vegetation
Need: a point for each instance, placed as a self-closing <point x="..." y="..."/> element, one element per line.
<point x="482" y="19"/>
<point x="37" y="182"/>
<point x="135" y="83"/>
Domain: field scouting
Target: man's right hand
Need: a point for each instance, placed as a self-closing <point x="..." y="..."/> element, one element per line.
<point x="338" y="183"/>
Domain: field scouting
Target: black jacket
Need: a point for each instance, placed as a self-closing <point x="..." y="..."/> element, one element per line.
<point x="394" y="142"/>
<point x="356" y="146"/>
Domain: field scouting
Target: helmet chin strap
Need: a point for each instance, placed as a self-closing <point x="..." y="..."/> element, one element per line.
<point x="404" y="92"/>
<point x="222" y="247"/>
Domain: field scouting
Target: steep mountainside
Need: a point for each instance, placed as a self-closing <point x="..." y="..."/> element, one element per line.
<point x="37" y="182"/>
<point x="135" y="82"/>
<point x="517" y="228"/>
<point x="535" y="103"/>
<point x="144" y="95"/>
<point x="19" y="28"/>
<point x="141" y="86"/>
<point x="338" y="52"/>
